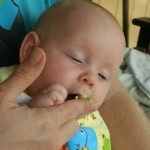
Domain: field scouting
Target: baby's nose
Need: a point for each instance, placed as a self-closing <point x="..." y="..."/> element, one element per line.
<point x="88" y="78"/>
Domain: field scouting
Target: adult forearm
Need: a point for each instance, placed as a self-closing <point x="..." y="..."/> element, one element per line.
<point x="129" y="128"/>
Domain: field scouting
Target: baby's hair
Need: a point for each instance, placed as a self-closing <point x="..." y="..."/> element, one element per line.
<point x="49" y="19"/>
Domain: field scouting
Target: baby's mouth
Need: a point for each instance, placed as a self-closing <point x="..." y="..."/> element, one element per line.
<point x="71" y="96"/>
<point x="78" y="96"/>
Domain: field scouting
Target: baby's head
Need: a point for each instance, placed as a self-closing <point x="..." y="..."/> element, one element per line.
<point x="84" y="46"/>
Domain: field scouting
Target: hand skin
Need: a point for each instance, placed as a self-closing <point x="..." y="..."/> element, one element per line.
<point x="53" y="95"/>
<point x="23" y="128"/>
<point x="129" y="128"/>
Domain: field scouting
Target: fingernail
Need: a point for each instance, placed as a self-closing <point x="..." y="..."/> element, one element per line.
<point x="94" y="106"/>
<point x="35" y="56"/>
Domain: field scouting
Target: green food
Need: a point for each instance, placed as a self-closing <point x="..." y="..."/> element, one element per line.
<point x="85" y="97"/>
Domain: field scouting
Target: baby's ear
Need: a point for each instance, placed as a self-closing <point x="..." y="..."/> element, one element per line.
<point x="30" y="41"/>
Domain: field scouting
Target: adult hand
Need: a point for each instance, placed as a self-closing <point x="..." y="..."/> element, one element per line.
<point x="23" y="128"/>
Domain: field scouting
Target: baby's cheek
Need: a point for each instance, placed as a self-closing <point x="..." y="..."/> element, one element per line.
<point x="100" y="101"/>
<point x="100" y="96"/>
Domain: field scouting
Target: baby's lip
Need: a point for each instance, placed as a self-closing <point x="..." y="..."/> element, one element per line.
<point x="72" y="96"/>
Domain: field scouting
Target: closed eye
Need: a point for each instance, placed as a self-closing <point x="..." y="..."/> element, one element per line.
<point x="101" y="76"/>
<point x="76" y="60"/>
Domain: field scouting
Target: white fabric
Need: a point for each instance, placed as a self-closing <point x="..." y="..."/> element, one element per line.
<point x="23" y="98"/>
<point x="135" y="75"/>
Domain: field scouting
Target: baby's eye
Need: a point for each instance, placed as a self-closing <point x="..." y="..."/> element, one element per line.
<point x="101" y="76"/>
<point x="76" y="60"/>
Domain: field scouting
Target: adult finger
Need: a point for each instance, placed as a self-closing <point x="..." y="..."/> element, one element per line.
<point x="72" y="109"/>
<point x="24" y="75"/>
<point x="72" y="127"/>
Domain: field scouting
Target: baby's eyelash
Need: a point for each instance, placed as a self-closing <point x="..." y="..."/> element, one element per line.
<point x="102" y="76"/>
<point x="77" y="60"/>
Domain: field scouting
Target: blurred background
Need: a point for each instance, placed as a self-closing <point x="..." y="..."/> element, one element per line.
<point x="125" y="11"/>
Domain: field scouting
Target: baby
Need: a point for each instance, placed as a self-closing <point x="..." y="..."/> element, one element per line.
<point x="84" y="46"/>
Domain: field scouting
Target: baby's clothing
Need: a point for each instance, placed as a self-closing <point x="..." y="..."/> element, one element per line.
<point x="92" y="134"/>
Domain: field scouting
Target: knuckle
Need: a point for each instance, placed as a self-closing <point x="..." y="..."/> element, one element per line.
<point x="72" y="108"/>
<point x="23" y="73"/>
<point x="46" y="96"/>
<point x="61" y="90"/>
<point x="80" y="108"/>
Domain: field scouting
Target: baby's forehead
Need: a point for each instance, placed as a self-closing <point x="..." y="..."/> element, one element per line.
<point x="84" y="8"/>
<point x="78" y="8"/>
<point x="82" y="13"/>
<point x="75" y="12"/>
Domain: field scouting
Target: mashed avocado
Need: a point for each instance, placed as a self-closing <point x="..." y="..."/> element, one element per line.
<point x="85" y="97"/>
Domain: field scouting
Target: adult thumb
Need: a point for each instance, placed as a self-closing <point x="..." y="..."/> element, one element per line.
<point x="23" y="76"/>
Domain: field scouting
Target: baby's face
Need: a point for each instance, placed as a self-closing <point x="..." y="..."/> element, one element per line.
<point x="82" y="57"/>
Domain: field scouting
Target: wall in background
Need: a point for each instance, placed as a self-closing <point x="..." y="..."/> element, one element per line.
<point x="137" y="8"/>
